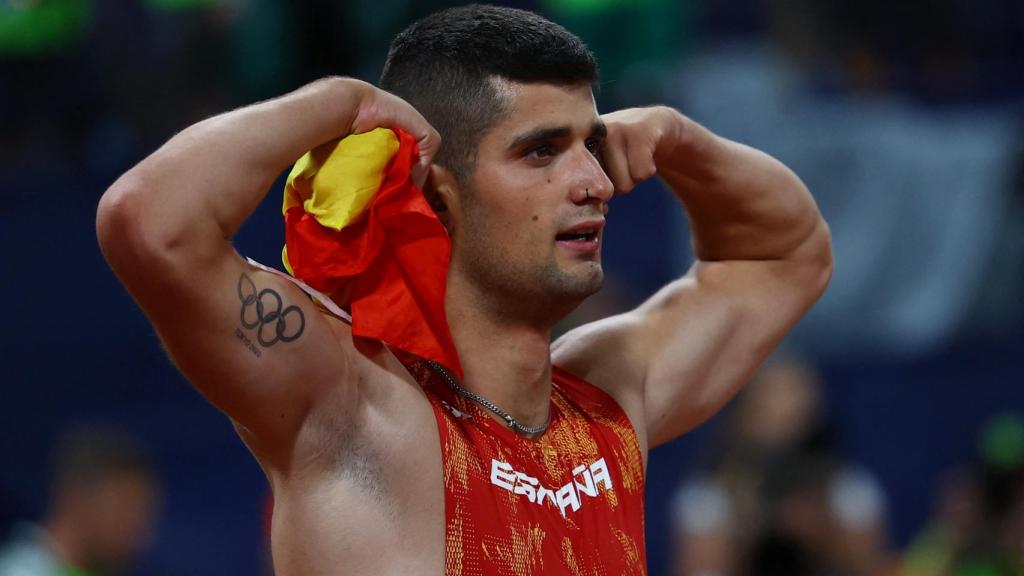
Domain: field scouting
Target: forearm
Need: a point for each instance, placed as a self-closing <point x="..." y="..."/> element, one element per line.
<point x="742" y="203"/>
<point x="202" y="184"/>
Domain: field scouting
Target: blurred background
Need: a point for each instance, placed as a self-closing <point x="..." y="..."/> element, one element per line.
<point x="884" y="438"/>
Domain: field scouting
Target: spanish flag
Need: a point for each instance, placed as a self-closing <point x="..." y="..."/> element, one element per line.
<point x="354" y="219"/>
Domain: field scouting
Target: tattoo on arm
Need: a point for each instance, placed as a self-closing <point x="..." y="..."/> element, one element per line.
<point x="264" y="311"/>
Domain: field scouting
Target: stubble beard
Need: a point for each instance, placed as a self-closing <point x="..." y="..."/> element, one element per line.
<point x="517" y="290"/>
<point x="523" y="292"/>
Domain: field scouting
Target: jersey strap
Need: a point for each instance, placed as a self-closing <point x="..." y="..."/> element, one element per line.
<point x="313" y="293"/>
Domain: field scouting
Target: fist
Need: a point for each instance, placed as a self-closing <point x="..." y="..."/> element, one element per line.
<point x="637" y="137"/>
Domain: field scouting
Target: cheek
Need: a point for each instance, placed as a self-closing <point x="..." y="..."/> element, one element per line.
<point x="503" y="239"/>
<point x="510" y="211"/>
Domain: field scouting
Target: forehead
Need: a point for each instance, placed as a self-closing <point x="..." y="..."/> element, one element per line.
<point x="537" y="106"/>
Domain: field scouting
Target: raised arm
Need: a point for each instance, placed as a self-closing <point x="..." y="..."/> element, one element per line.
<point x="250" y="341"/>
<point x="763" y="258"/>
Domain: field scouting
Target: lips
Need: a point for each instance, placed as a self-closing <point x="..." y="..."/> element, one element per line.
<point x="583" y="232"/>
<point x="583" y="239"/>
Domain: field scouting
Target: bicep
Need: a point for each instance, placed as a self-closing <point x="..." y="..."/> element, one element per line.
<point x="706" y="334"/>
<point x="675" y="360"/>
<point x="251" y="342"/>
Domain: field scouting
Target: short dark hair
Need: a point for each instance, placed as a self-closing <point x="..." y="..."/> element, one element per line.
<point x="444" y="65"/>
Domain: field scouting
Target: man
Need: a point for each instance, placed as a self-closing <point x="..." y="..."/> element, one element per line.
<point x="102" y="511"/>
<point x="349" y="435"/>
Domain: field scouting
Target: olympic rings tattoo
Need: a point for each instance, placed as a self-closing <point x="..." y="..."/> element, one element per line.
<point x="262" y="310"/>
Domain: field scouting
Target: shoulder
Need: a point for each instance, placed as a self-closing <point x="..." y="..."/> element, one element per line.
<point x="604" y="354"/>
<point x="599" y="351"/>
<point x="605" y="416"/>
<point x="599" y="360"/>
<point x="587" y="396"/>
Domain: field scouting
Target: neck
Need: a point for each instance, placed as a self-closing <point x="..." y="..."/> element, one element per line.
<point x="506" y="361"/>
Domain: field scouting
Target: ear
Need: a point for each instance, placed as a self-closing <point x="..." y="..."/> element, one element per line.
<point x="442" y="193"/>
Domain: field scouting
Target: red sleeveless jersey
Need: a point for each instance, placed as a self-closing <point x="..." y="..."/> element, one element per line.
<point x="569" y="502"/>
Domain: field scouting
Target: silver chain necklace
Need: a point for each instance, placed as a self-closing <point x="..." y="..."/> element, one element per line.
<point x="515" y="426"/>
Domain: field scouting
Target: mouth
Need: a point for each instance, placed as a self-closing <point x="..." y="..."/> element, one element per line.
<point x="581" y="236"/>
<point x="584" y="238"/>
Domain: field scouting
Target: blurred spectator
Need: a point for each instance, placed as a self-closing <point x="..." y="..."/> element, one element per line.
<point x="776" y="499"/>
<point x="978" y="527"/>
<point x="101" y="515"/>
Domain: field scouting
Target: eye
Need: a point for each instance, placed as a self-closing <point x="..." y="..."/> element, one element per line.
<point x="596" y="147"/>
<point x="540" y="152"/>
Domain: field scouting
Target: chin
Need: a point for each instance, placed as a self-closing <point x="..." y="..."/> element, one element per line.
<point x="584" y="284"/>
<point x="547" y="298"/>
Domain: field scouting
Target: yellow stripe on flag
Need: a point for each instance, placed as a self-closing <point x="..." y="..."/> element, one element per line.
<point x="334" y="182"/>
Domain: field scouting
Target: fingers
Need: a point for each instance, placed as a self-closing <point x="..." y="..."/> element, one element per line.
<point x="400" y="114"/>
<point x="629" y="147"/>
<point x="616" y="163"/>
<point x="629" y="159"/>
<point x="429" y="143"/>
<point x="384" y="109"/>
<point x="641" y="162"/>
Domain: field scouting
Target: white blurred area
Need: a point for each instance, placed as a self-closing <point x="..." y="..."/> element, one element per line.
<point x="776" y="497"/>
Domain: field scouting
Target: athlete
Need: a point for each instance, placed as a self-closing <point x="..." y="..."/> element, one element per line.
<point x="533" y="462"/>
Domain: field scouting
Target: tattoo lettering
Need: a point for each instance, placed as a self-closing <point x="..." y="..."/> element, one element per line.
<point x="264" y="311"/>
<point x="249" y="345"/>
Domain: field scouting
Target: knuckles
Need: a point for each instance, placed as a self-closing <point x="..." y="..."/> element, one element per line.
<point x="648" y="170"/>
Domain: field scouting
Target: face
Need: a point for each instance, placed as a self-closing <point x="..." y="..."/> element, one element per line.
<point x="529" y="223"/>
<point x="781" y="405"/>
<point x="122" y="514"/>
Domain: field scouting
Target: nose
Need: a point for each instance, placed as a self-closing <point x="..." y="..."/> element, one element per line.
<point x="591" y="184"/>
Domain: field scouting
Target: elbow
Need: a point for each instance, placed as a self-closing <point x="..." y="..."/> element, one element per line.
<point x="809" y="264"/>
<point x="146" y="236"/>
<point x="820" y="259"/>
<point x="129" y="228"/>
<point x="117" y="218"/>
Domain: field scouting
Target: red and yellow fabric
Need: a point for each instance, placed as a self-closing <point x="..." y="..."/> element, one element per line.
<point x="354" y="219"/>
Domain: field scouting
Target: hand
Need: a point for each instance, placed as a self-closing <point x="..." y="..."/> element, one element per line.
<point x="637" y="137"/>
<point x="378" y="108"/>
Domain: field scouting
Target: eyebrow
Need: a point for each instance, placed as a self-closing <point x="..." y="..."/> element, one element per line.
<point x="597" y="130"/>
